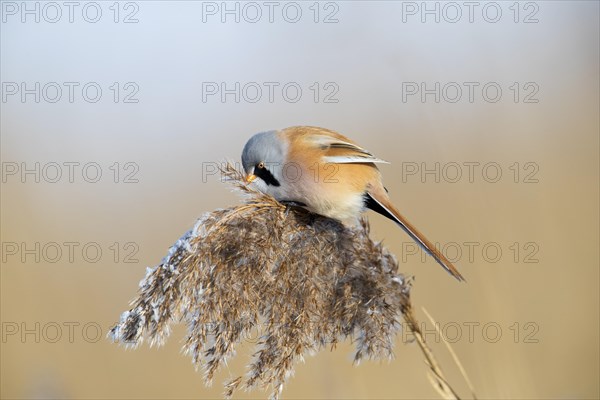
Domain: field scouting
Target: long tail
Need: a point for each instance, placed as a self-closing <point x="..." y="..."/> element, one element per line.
<point x="389" y="211"/>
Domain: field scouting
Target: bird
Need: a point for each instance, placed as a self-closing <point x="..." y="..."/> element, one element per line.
<point x="328" y="174"/>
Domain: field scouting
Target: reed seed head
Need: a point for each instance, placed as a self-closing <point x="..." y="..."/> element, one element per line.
<point x="303" y="281"/>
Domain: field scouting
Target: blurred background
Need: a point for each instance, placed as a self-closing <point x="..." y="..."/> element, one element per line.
<point x="114" y="115"/>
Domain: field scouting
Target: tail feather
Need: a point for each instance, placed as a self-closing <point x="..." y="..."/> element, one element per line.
<point x="389" y="211"/>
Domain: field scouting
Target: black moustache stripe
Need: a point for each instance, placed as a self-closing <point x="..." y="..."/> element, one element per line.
<point x="266" y="176"/>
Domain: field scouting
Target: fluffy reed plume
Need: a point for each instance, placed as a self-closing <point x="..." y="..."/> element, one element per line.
<point x="303" y="281"/>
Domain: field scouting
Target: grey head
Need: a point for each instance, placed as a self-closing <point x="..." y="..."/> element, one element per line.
<point x="263" y="156"/>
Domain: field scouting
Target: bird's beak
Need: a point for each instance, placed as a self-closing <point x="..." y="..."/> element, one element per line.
<point x="250" y="178"/>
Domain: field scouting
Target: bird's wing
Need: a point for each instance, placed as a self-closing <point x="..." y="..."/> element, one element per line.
<point x="340" y="150"/>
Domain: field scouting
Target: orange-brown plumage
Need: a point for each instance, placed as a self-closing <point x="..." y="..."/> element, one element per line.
<point x="329" y="174"/>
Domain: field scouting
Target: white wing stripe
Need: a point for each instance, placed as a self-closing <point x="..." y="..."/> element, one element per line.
<point x="352" y="159"/>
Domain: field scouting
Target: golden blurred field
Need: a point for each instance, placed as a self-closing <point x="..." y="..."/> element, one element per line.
<point x="110" y="130"/>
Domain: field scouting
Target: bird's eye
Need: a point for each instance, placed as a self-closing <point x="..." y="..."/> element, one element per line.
<point x="261" y="165"/>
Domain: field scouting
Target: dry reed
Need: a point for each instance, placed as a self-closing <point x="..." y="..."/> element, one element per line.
<point x="303" y="281"/>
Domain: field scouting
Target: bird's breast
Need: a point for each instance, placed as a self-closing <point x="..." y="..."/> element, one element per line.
<point x="332" y="190"/>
